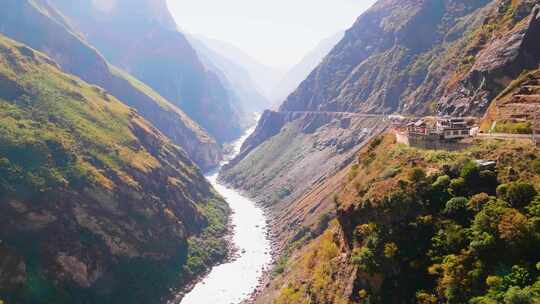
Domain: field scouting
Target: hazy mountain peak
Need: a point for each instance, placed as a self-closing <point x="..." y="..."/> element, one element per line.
<point x="265" y="77"/>
<point x="300" y="71"/>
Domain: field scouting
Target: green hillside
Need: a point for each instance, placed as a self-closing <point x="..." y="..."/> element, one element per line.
<point x="424" y="226"/>
<point x="94" y="200"/>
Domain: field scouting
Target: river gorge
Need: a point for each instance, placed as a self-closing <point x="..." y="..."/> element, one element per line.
<point x="234" y="281"/>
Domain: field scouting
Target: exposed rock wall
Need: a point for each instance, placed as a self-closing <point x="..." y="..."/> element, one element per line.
<point x="501" y="61"/>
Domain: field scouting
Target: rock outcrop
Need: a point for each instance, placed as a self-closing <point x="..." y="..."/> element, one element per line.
<point x="41" y="26"/>
<point x="503" y="59"/>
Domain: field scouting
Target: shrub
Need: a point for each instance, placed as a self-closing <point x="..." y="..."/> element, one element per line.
<point x="502" y="191"/>
<point x="417" y="175"/>
<point x="322" y="224"/>
<point x="458" y="186"/>
<point x="513" y="226"/>
<point x="520" y="194"/>
<point x="494" y="281"/>
<point x="390" y="250"/>
<point x="533" y="209"/>
<point x="514" y="128"/>
<point x="353" y="172"/>
<point x="375" y="143"/>
<point x="425" y="298"/>
<point x="535" y="166"/>
<point x="482" y="241"/>
<point x="456" y="206"/>
<point x="362" y="294"/>
<point x="478" y="201"/>
<point x="368" y="160"/>
<point x="516" y="295"/>
<point x="442" y="182"/>
<point x="518" y="276"/>
<point x="365" y="259"/>
<point x="470" y="172"/>
<point x="390" y="172"/>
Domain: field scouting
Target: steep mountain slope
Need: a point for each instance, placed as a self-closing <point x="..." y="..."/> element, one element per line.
<point x="414" y="57"/>
<point x="421" y="226"/>
<point x="300" y="72"/>
<point x="234" y="76"/>
<point x="97" y="206"/>
<point x="42" y="27"/>
<point x="265" y="77"/>
<point x="372" y="68"/>
<point x="301" y="149"/>
<point x="422" y="56"/>
<point x="141" y="38"/>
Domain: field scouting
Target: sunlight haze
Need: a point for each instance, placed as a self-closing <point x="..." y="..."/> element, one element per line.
<point x="277" y="33"/>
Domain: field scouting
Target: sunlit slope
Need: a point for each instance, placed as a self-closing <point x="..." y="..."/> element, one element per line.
<point x="420" y="226"/>
<point x="96" y="205"/>
<point x="41" y="26"/>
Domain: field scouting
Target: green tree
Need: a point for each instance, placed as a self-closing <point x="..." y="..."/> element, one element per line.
<point x="417" y="175"/>
<point x="520" y="194"/>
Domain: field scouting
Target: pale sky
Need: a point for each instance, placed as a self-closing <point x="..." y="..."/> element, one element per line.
<point x="277" y="33"/>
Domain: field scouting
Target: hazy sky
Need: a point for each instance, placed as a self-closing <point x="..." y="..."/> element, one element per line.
<point x="276" y="32"/>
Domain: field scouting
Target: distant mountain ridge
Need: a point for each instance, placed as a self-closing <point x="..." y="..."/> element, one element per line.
<point x="40" y="25"/>
<point x="235" y="77"/>
<point x="300" y="71"/>
<point x="265" y="77"/>
<point x="143" y="40"/>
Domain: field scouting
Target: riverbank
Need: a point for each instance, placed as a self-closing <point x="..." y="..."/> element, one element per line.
<point x="232" y="255"/>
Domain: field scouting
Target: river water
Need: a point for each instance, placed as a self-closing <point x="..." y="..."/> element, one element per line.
<point x="233" y="282"/>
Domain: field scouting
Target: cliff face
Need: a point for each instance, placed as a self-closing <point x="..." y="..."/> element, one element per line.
<point x="95" y="201"/>
<point x="506" y="47"/>
<point x="423" y="57"/>
<point x="142" y="39"/>
<point x="41" y="26"/>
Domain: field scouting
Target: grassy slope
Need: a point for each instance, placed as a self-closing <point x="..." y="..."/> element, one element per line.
<point x="84" y="176"/>
<point x="398" y="241"/>
<point x="42" y="27"/>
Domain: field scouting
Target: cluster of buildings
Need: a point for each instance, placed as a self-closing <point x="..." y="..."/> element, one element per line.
<point x="435" y="128"/>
